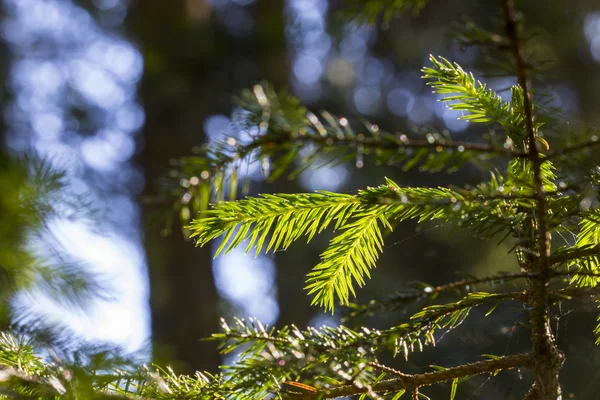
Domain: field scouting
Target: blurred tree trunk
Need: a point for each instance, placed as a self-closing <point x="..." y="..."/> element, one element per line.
<point x="183" y="297"/>
<point x="193" y="67"/>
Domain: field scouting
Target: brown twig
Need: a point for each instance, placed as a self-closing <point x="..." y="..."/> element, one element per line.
<point x="429" y="291"/>
<point x="505" y="276"/>
<point x="577" y="292"/>
<point x="574" y="148"/>
<point x="412" y="382"/>
<point x="433" y="290"/>
<point x="575" y="255"/>
<point x="381" y="144"/>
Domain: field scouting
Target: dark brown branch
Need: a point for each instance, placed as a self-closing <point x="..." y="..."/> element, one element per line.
<point x="415" y="394"/>
<point x="575" y="272"/>
<point x="439" y="310"/>
<point x="509" y="276"/>
<point x="433" y="290"/>
<point x="511" y="28"/>
<point x="381" y="144"/>
<point x="493" y="41"/>
<point x="574" y="148"/>
<point x="577" y="254"/>
<point x="429" y="291"/>
<point x="506" y="276"/>
<point x="547" y="358"/>
<point x="454" y="145"/>
<point x="576" y="293"/>
<point x="412" y="382"/>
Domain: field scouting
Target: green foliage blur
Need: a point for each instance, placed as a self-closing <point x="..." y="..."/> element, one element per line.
<point x="33" y="194"/>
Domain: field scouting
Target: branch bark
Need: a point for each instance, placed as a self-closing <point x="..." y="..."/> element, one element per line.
<point x="410" y="297"/>
<point x="575" y="147"/>
<point x="576" y="254"/>
<point x="547" y="359"/>
<point x="366" y="142"/>
<point x="577" y="292"/>
<point x="413" y="382"/>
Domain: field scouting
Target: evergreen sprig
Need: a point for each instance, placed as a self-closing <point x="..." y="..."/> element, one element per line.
<point x="362" y="218"/>
<point x="274" y="131"/>
<point x="585" y="254"/>
<point x="34" y="192"/>
<point x="482" y="105"/>
<point x="267" y="370"/>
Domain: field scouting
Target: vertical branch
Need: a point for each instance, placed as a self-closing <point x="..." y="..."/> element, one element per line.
<point x="415" y="394"/>
<point x="547" y="357"/>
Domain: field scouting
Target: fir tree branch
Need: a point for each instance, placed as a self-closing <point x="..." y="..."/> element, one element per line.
<point x="16" y="383"/>
<point x="573" y="254"/>
<point x="547" y="358"/>
<point x="349" y="257"/>
<point x="482" y="105"/>
<point x="424" y="291"/>
<point x="397" y="142"/>
<point x="501" y="278"/>
<point x="406" y="381"/>
<point x="430" y="292"/>
<point x="434" y="312"/>
<point x="285" y="216"/>
<point x="468" y="33"/>
<point x="576" y="147"/>
<point x="328" y="343"/>
<point x="576" y="292"/>
<point x="361" y="218"/>
<point x="277" y="132"/>
<point x="511" y="27"/>
<point x="584" y="255"/>
<point x="576" y="272"/>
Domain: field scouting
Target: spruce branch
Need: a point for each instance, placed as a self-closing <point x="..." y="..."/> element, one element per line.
<point x="576" y="292"/>
<point x="361" y="218"/>
<point x="434" y="312"/>
<point x="468" y="33"/>
<point x="286" y="217"/>
<point x="491" y="279"/>
<point x="547" y="358"/>
<point x="424" y="291"/>
<point x="575" y="148"/>
<point x="482" y="105"/>
<point x="311" y="346"/>
<point x="587" y="255"/>
<point x="412" y="382"/>
<point x="275" y="131"/>
<point x="348" y="258"/>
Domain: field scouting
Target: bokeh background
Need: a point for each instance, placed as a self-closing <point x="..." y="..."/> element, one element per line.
<point x="112" y="91"/>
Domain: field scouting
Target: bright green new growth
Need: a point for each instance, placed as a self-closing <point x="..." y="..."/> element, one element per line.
<point x="351" y="254"/>
<point x="588" y="240"/>
<point x="363" y="218"/>
<point x="465" y="93"/>
<point x="274" y="222"/>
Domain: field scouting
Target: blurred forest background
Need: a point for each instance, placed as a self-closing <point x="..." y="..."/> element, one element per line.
<point x="112" y="91"/>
